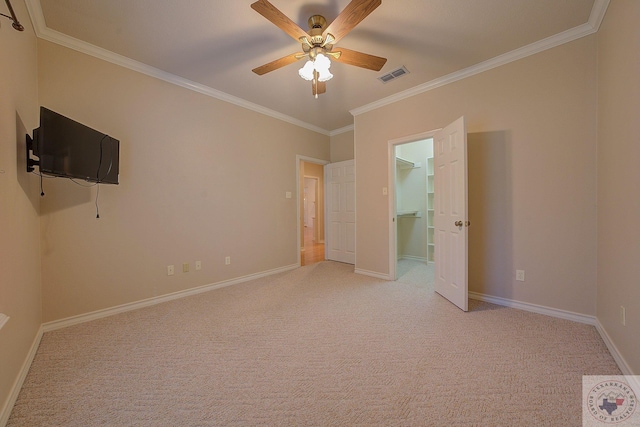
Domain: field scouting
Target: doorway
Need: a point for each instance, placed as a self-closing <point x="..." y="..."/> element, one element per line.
<point x="450" y="209"/>
<point x="411" y="202"/>
<point x="311" y="210"/>
<point x="313" y="239"/>
<point x="414" y="197"/>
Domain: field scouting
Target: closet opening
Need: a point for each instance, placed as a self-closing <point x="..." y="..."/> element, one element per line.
<point x="413" y="191"/>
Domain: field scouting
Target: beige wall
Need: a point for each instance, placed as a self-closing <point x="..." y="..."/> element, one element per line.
<point x="619" y="177"/>
<point x="19" y="203"/>
<point x="532" y="175"/>
<point x="342" y="147"/>
<point x="200" y="179"/>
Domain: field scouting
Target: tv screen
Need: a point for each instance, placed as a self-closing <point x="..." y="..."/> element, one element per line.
<point x="70" y="149"/>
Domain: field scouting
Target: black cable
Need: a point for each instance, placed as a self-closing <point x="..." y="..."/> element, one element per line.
<point x="98" y="180"/>
<point x="97" y="207"/>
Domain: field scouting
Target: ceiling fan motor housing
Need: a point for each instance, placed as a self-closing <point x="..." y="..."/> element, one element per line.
<point x="317" y="23"/>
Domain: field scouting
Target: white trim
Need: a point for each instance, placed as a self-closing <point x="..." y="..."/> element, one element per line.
<point x="17" y="385"/>
<point x="341" y="130"/>
<point x="372" y="274"/>
<point x="42" y="31"/>
<point x="597" y="14"/>
<point x="45" y="33"/>
<point x="598" y="11"/>
<point x="622" y="363"/>
<point x="567" y="315"/>
<point x="99" y="314"/>
<point x="3" y="319"/>
<point x="535" y="308"/>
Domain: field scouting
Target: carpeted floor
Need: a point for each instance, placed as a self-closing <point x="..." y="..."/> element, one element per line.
<point x="316" y="346"/>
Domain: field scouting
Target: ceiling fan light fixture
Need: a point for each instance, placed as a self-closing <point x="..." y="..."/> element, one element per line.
<point x="322" y="62"/>
<point x="324" y="75"/>
<point x="306" y="72"/>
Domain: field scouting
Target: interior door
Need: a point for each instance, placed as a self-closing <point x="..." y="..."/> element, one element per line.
<point x="450" y="218"/>
<point x="340" y="182"/>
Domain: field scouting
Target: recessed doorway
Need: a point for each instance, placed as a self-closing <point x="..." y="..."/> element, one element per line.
<point x="411" y="191"/>
<point x="311" y="211"/>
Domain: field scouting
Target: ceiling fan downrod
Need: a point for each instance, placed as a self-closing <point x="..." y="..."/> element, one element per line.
<point x="15" y="24"/>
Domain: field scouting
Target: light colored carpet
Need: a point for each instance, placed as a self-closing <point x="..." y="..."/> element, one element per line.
<point x="316" y="346"/>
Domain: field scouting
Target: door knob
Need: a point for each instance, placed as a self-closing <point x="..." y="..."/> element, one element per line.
<point x="458" y="223"/>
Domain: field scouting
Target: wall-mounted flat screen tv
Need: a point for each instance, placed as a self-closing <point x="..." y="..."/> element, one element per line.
<point x="70" y="149"/>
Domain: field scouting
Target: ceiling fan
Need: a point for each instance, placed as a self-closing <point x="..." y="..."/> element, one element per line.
<point x="318" y="44"/>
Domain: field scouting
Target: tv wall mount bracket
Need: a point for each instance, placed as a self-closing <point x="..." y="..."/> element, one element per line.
<point x="30" y="162"/>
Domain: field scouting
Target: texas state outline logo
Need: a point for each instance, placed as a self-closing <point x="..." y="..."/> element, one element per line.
<point x="609" y="401"/>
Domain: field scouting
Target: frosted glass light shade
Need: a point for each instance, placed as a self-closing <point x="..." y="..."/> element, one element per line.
<point x="324" y="75"/>
<point x="306" y="72"/>
<point x="321" y="64"/>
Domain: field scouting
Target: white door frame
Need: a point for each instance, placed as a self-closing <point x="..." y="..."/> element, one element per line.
<point x="297" y="198"/>
<point x="391" y="191"/>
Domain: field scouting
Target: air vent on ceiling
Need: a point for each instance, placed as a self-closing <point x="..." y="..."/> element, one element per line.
<point x="397" y="73"/>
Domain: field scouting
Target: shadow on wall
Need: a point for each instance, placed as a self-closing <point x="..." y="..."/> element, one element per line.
<point x="490" y="212"/>
<point x="29" y="184"/>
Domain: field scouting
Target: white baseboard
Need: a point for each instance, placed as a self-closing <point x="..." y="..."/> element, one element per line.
<point x="622" y="363"/>
<point x="540" y="309"/>
<point x="568" y="315"/>
<point x="74" y="320"/>
<point x="372" y="274"/>
<point x="17" y="385"/>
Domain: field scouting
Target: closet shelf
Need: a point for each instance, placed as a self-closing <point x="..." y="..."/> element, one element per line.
<point x="406" y="164"/>
<point x="409" y="214"/>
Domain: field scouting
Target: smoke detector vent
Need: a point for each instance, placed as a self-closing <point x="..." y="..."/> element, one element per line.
<point x="395" y="74"/>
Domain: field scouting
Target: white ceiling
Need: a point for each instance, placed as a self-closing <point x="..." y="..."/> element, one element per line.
<point x="212" y="45"/>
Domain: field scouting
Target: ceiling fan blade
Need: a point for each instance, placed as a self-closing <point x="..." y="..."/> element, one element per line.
<point x="318" y="87"/>
<point x="351" y="16"/>
<point x="269" y="11"/>
<point x="359" y="59"/>
<point x="278" y="63"/>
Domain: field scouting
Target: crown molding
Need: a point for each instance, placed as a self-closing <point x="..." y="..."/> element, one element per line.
<point x="45" y="33"/>
<point x="341" y="130"/>
<point x="595" y="18"/>
<point x="598" y="11"/>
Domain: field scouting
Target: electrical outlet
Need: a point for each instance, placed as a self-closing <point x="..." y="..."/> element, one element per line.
<point x="520" y="275"/>
<point x="623" y="316"/>
<point x="198" y="265"/>
<point x="185" y="267"/>
<point x="227" y="260"/>
<point x="170" y="270"/>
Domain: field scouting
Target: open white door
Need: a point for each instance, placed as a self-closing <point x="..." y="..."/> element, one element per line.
<point x="450" y="218"/>
<point x="340" y="205"/>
